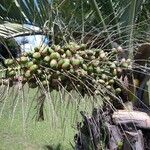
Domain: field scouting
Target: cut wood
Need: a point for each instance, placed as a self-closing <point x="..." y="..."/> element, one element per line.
<point x="139" y="119"/>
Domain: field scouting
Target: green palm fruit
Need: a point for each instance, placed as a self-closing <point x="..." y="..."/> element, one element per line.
<point x="11" y="73"/>
<point x="118" y="90"/>
<point x="66" y="60"/>
<point x="125" y="65"/>
<point x="114" y="50"/>
<point x="33" y="67"/>
<point x="101" y="81"/>
<point x="49" y="77"/>
<point x="66" y="65"/>
<point x="84" y="66"/>
<point x="29" y="64"/>
<point x="45" y="82"/>
<point x="111" y="81"/>
<point x="82" y="54"/>
<point x="25" y="54"/>
<point x="50" y="50"/>
<point x="108" y="87"/>
<point x="8" y="62"/>
<point x="71" y="71"/>
<point x="89" y="52"/>
<point x="28" y="74"/>
<point x="44" y="51"/>
<point x="39" y="71"/>
<point x="102" y="55"/>
<point x="90" y="69"/>
<point x="95" y="63"/>
<point x="64" y="55"/>
<point x="83" y="46"/>
<point x="23" y="59"/>
<point x="56" y="48"/>
<point x="75" y="62"/>
<point x="53" y="63"/>
<point x="113" y="66"/>
<point x="114" y="72"/>
<point x="104" y="77"/>
<point x="60" y="62"/>
<point x="47" y="58"/>
<point x="61" y="51"/>
<point x="55" y="55"/>
<point x="98" y="70"/>
<point x="36" y="55"/>
<point x="68" y="53"/>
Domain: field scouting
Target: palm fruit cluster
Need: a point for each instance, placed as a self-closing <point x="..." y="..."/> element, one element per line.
<point x="72" y="66"/>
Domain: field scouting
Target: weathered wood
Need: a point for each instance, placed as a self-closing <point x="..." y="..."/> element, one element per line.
<point x="115" y="137"/>
<point x="133" y="140"/>
<point x="139" y="119"/>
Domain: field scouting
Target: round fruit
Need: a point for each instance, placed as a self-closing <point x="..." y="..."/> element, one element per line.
<point x="28" y="74"/>
<point x="68" y="53"/>
<point x="29" y="64"/>
<point x="104" y="77"/>
<point x="66" y="65"/>
<point x="55" y="55"/>
<point x="53" y="63"/>
<point x="102" y="55"/>
<point x="8" y="62"/>
<point x="83" y="46"/>
<point x="56" y="48"/>
<point x="118" y="90"/>
<point x="66" y="60"/>
<point x="85" y="67"/>
<point x="111" y="81"/>
<point x="34" y="67"/>
<point x="95" y="63"/>
<point x="11" y="73"/>
<point x="39" y="71"/>
<point x="90" y="69"/>
<point x="114" y="50"/>
<point x="61" y="51"/>
<point x="75" y="62"/>
<point x="60" y="62"/>
<point x="125" y="65"/>
<point x="113" y="66"/>
<point x="101" y="81"/>
<point x="89" y="52"/>
<point x="108" y="87"/>
<point x="36" y="55"/>
<point x="50" y="50"/>
<point x="47" y="58"/>
<point x="98" y="70"/>
<point x="45" y="82"/>
<point x="119" y="49"/>
<point x="23" y="59"/>
<point x="114" y="72"/>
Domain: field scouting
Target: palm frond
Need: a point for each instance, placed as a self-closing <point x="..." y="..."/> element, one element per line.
<point x="10" y="30"/>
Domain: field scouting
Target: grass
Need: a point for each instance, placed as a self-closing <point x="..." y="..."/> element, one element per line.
<point x="19" y="128"/>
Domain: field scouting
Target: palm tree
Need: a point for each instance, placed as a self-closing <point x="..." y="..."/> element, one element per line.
<point x="114" y="19"/>
<point x="97" y="23"/>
